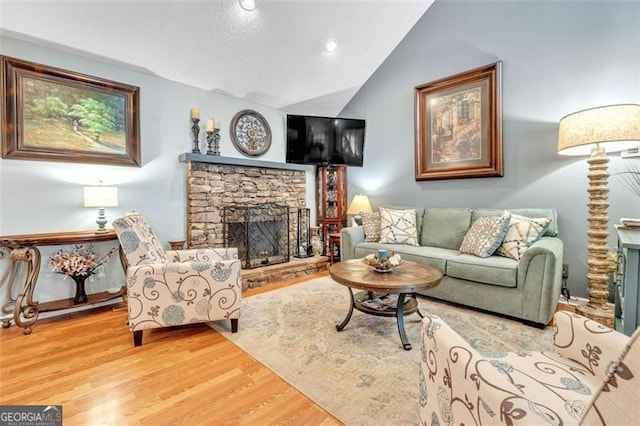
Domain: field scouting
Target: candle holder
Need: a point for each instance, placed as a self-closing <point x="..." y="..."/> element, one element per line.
<point x="195" y="129"/>
<point x="213" y="141"/>
<point x="216" y="141"/>
<point x="209" y="139"/>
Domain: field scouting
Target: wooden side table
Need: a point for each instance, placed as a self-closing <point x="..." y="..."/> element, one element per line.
<point x="334" y="247"/>
<point x="23" y="251"/>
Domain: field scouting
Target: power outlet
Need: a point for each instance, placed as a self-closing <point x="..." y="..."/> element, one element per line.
<point x="565" y="270"/>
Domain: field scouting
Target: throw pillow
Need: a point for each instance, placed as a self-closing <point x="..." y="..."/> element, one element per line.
<point x="522" y="232"/>
<point x="398" y="227"/>
<point x="485" y="235"/>
<point x="371" y="226"/>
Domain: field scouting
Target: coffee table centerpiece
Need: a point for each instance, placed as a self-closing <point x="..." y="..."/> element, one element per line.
<point x="381" y="262"/>
<point x="405" y="280"/>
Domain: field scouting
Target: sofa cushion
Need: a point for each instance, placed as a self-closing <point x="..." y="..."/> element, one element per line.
<point x="551" y="214"/>
<point x="419" y="213"/>
<point x="485" y="235"/>
<point x="552" y="229"/>
<point x="495" y="270"/>
<point x="431" y="256"/>
<point x="398" y="227"/>
<point x="445" y="228"/>
<point x="371" y="226"/>
<point x="521" y="233"/>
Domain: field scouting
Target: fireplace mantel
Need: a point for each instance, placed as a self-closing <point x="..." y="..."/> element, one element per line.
<point x="215" y="159"/>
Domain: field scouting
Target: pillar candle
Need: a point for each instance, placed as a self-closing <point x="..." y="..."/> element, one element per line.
<point x="215" y="122"/>
<point x="210" y="126"/>
<point x="195" y="112"/>
<point x="382" y="254"/>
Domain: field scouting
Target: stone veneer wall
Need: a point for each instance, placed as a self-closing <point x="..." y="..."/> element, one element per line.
<point x="211" y="187"/>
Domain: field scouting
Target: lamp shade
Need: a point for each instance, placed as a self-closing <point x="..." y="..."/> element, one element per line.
<point x="100" y="196"/>
<point x="614" y="128"/>
<point x="359" y="204"/>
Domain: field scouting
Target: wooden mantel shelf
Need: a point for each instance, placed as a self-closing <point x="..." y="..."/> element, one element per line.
<point x="216" y="159"/>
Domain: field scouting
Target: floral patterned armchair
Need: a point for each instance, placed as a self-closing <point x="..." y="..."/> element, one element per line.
<point x="592" y="377"/>
<point x="175" y="287"/>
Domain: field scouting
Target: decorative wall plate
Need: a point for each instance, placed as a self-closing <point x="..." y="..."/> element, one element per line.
<point x="250" y="132"/>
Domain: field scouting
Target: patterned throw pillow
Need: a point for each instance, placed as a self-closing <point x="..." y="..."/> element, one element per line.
<point x="371" y="226"/>
<point x="398" y="227"/>
<point x="523" y="231"/>
<point x="485" y="235"/>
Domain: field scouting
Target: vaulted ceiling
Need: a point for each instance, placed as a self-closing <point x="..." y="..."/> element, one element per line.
<point x="274" y="55"/>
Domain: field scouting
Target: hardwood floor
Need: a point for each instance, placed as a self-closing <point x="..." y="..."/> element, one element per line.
<point x="187" y="375"/>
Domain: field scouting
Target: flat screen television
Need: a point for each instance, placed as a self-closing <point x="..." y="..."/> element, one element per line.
<point x="325" y="140"/>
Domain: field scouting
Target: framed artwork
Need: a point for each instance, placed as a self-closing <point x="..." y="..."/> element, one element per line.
<point x="57" y="115"/>
<point x="458" y="125"/>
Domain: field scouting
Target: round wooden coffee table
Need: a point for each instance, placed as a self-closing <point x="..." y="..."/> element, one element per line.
<point x="404" y="280"/>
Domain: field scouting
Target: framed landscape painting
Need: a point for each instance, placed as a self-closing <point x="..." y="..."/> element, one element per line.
<point x="458" y="126"/>
<point x="58" y="115"/>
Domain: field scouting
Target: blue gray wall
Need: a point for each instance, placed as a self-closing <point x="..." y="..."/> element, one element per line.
<point x="558" y="57"/>
<point x="44" y="196"/>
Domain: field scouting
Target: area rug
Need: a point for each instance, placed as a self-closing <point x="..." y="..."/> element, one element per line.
<point x="361" y="375"/>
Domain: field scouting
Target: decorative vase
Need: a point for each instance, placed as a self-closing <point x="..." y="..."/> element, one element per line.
<point x="81" y="295"/>
<point x="316" y="241"/>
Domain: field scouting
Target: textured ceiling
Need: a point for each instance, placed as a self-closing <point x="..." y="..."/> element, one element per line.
<point x="273" y="55"/>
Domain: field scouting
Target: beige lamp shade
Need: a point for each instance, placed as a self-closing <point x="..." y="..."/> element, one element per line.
<point x="359" y="204"/>
<point x="614" y="128"/>
<point x="100" y="196"/>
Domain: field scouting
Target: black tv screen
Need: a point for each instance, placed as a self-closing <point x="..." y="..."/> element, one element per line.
<point x="325" y="140"/>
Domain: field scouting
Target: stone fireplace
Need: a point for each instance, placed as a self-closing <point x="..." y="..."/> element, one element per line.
<point x="215" y="182"/>
<point x="213" y="186"/>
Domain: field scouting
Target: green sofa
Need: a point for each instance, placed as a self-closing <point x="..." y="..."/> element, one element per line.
<point x="528" y="289"/>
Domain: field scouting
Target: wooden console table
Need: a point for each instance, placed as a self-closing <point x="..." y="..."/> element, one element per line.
<point x="24" y="255"/>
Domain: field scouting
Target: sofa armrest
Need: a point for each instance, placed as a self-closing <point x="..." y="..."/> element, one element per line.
<point x="349" y="238"/>
<point x="540" y="275"/>
<point x="596" y="347"/>
<point x="202" y="255"/>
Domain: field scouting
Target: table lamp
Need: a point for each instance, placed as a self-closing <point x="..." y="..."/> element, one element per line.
<point x="595" y="132"/>
<point x="359" y="204"/>
<point x="101" y="197"/>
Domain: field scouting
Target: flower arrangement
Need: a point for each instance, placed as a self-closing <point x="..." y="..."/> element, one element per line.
<point x="80" y="262"/>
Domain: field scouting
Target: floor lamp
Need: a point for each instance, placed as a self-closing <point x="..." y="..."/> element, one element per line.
<point x="595" y="132"/>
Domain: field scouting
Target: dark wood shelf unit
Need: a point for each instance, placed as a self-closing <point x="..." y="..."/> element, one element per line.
<point x="331" y="201"/>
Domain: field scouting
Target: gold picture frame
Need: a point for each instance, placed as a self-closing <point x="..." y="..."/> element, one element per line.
<point x="458" y="126"/>
<point x="58" y="115"/>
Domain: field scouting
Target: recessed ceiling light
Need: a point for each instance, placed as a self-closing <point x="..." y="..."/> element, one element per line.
<point x="247" y="4"/>
<point x="330" y="45"/>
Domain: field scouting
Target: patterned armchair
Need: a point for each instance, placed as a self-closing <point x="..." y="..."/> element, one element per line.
<point x="175" y="287"/>
<point x="591" y="377"/>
